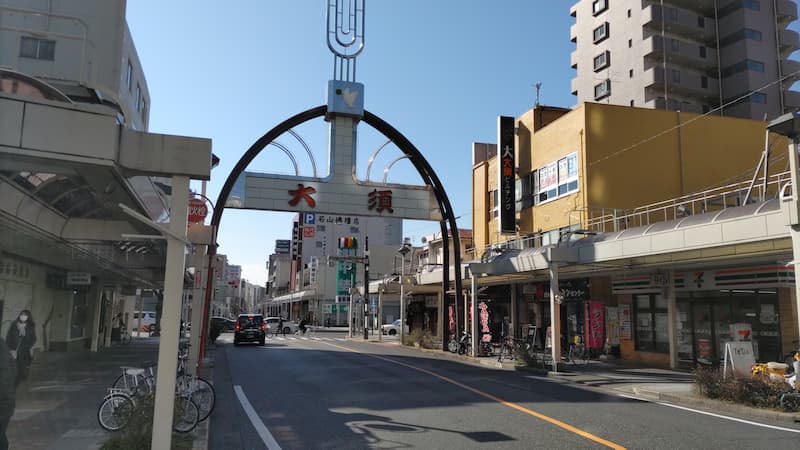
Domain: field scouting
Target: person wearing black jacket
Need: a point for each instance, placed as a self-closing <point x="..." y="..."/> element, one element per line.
<point x="20" y="339"/>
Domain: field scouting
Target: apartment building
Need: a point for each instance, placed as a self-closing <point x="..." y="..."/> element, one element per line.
<point x="726" y="56"/>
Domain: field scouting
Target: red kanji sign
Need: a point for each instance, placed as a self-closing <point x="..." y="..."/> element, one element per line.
<point x="308" y="232"/>
<point x="197" y="210"/>
<point x="304" y="193"/>
<point x="380" y="201"/>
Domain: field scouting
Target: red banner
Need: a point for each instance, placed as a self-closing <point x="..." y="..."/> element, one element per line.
<point x="594" y="324"/>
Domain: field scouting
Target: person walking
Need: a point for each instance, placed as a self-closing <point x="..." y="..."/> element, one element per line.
<point x="303" y="324"/>
<point x="8" y="376"/>
<point x="116" y="324"/>
<point x="20" y="339"/>
<point x="280" y="328"/>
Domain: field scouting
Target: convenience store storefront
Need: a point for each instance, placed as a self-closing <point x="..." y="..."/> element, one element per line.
<point x="708" y="302"/>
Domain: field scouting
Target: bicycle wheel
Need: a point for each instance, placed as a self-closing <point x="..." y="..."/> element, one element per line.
<point x="452" y="346"/>
<point x="204" y="396"/>
<point x="114" y="412"/>
<point x="186" y="415"/>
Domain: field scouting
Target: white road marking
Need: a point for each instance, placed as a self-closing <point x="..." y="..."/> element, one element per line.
<point x="791" y="430"/>
<point x="719" y="416"/>
<point x="262" y="430"/>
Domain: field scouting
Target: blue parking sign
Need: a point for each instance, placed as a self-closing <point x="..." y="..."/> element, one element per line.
<point x="308" y="219"/>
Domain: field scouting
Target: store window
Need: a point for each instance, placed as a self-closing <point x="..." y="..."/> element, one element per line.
<point x="652" y="325"/>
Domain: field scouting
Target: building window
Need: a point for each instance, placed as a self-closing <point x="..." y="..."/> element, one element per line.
<point x="138" y="97"/>
<point x="753" y="5"/>
<point x="144" y="107"/>
<point x="674" y="45"/>
<point x="556" y="179"/>
<point x="701" y="21"/>
<point x="758" y="97"/>
<point x="602" y="60"/>
<point x="755" y="66"/>
<point x="652" y="326"/>
<point x="702" y="51"/>
<point x="703" y="81"/>
<point x="630" y="73"/>
<point x="741" y="66"/>
<point x="600" y="33"/>
<point x="129" y="76"/>
<point x="752" y="34"/>
<point x="631" y="102"/>
<point x="43" y="49"/>
<point x="602" y="89"/>
<point x="630" y="43"/>
<point x="629" y="13"/>
<point x="494" y="209"/>
<point x="599" y="6"/>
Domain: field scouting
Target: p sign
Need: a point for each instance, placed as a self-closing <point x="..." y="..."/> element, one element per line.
<point x="197" y="210"/>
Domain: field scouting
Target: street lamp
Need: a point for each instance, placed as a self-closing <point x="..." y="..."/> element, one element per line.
<point x="403" y="252"/>
<point x="789" y="125"/>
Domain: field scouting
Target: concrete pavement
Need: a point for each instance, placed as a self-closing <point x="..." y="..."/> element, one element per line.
<point x="57" y="406"/>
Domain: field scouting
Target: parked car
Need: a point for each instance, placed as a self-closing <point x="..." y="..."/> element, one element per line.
<point x="392" y="328"/>
<point x="289" y="327"/>
<point x="250" y="328"/>
<point x="223" y="323"/>
<point x="148" y="319"/>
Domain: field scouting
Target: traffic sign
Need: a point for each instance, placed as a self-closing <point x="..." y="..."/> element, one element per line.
<point x="197" y="210"/>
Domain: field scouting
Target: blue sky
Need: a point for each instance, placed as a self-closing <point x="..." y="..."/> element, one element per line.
<point x="439" y="71"/>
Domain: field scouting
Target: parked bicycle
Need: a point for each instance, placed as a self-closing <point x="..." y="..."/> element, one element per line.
<point x="119" y="405"/>
<point x="578" y="353"/>
<point x="143" y="379"/>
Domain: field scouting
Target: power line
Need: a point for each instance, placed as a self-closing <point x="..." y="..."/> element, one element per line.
<point x="671" y="129"/>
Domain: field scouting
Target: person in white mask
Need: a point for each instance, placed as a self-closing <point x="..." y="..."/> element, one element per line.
<point x="20" y="339"/>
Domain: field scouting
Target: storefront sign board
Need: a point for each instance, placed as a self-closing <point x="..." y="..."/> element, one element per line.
<point x="612" y="325"/>
<point x="594" y="324"/>
<point x="739" y="356"/>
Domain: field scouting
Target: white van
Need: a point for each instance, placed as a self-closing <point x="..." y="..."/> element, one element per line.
<point x="148" y="318"/>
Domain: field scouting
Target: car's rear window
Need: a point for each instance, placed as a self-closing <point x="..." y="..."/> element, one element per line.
<point x="250" y="321"/>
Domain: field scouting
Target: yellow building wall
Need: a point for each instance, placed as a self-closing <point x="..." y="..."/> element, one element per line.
<point x="480" y="206"/>
<point x="640" y="156"/>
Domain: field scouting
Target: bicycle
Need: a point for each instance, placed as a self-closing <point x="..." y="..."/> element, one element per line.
<point x="578" y="353"/>
<point x="117" y="407"/>
<point x="124" y="337"/>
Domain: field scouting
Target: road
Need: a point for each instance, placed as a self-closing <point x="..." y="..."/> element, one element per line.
<point x="328" y="392"/>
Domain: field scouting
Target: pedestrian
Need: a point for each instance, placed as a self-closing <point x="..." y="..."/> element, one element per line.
<point x="280" y="327"/>
<point x="8" y="376"/>
<point x="303" y="324"/>
<point x="20" y="339"/>
<point x="116" y="323"/>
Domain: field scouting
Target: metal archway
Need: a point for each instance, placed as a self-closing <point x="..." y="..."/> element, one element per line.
<point x="415" y="157"/>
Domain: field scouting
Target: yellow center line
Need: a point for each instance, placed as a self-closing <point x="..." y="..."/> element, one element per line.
<point x="515" y="406"/>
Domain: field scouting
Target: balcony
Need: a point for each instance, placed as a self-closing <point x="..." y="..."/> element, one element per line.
<point x="573" y="33"/>
<point x="791" y="99"/>
<point x="685" y="54"/>
<point x="684" y="23"/>
<point x="790" y="69"/>
<point x="790" y="41"/>
<point x="573" y="60"/>
<point x="786" y="11"/>
<point x="574" y="86"/>
<point x="689" y="85"/>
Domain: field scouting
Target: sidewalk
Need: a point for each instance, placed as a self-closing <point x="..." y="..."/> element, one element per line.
<point x="649" y="383"/>
<point x="57" y="406"/>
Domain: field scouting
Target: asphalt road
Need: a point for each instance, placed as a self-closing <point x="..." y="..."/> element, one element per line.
<point x="332" y="393"/>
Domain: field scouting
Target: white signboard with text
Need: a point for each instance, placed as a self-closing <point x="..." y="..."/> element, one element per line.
<point x="739" y="356"/>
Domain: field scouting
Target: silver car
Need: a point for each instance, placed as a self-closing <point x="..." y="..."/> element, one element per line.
<point x="289" y="327"/>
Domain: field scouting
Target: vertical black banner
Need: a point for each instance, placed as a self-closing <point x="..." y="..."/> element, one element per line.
<point x="505" y="174"/>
